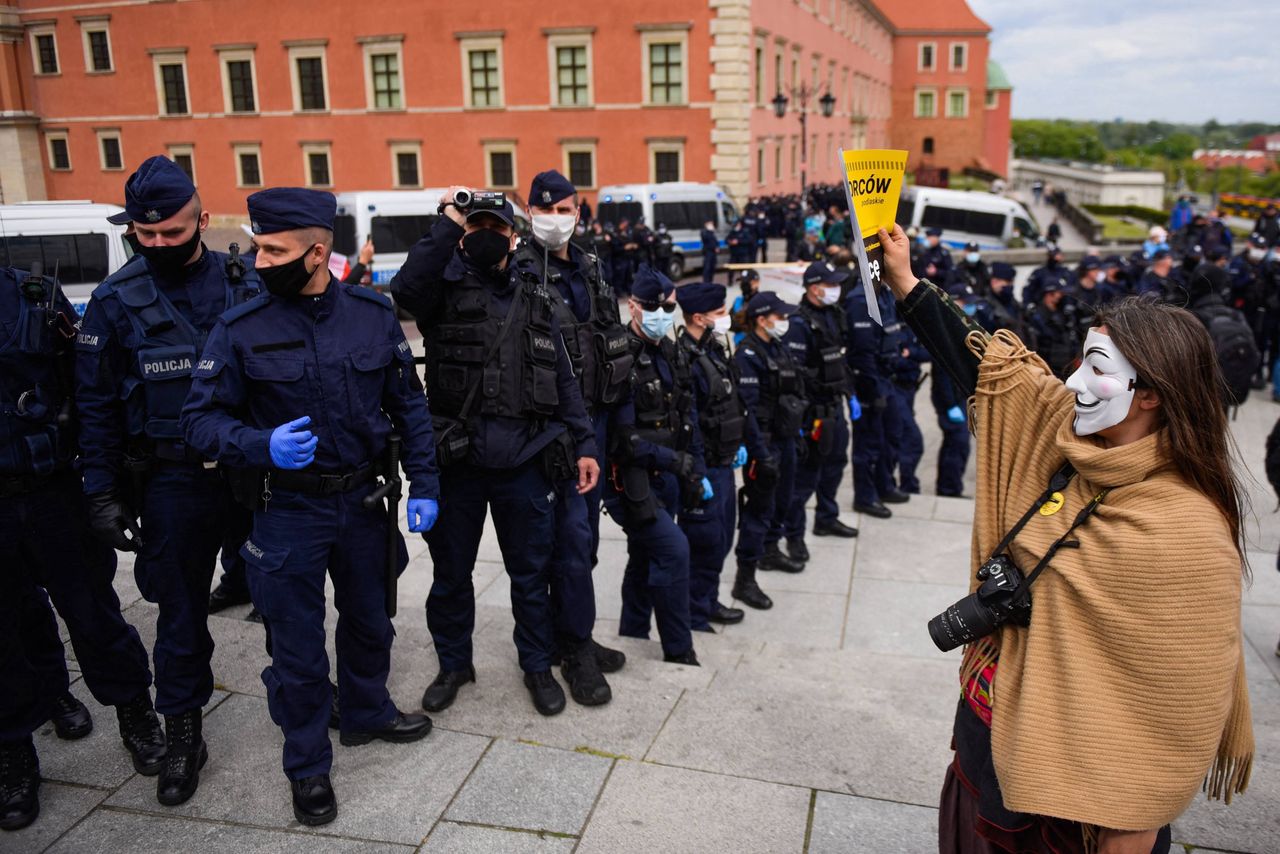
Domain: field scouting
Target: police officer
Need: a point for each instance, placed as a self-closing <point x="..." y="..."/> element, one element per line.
<point x="1005" y="311"/>
<point x="1053" y="271"/>
<point x="869" y="345"/>
<point x="510" y="424"/>
<point x="742" y="244"/>
<point x="597" y="345"/>
<point x="622" y="250"/>
<point x="139" y="342"/>
<point x="46" y="541"/>
<point x="722" y="419"/>
<point x="655" y="468"/>
<point x="600" y="242"/>
<point x="972" y="270"/>
<point x="901" y="359"/>
<point x="1054" y="329"/>
<point x="816" y="339"/>
<point x="299" y="391"/>
<point x="771" y="386"/>
<point x="1156" y="279"/>
<point x="710" y="250"/>
<point x="935" y="261"/>
<point x="663" y="249"/>
<point x="949" y="406"/>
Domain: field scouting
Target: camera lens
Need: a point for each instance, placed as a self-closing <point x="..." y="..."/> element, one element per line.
<point x="462" y="198"/>
<point x="961" y="623"/>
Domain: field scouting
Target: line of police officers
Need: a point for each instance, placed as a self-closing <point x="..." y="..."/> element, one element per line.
<point x="263" y="410"/>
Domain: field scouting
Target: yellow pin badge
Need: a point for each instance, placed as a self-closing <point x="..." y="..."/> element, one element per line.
<point x="1053" y="505"/>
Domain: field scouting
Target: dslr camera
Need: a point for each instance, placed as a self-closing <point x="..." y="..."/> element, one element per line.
<point x="984" y="610"/>
<point x="475" y="200"/>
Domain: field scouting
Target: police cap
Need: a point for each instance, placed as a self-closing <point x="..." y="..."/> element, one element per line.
<point x="1090" y="262"/>
<point x="157" y="191"/>
<point x="933" y="231"/>
<point x="506" y="213"/>
<point x="700" y="297"/>
<point x="289" y="208"/>
<point x="959" y="289"/>
<point x="651" y="285"/>
<point x="768" y="302"/>
<point x="548" y="188"/>
<point x="822" y="273"/>
<point x="1003" y="271"/>
<point x="1258" y="240"/>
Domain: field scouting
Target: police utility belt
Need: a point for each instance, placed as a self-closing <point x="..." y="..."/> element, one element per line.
<point x="320" y="483"/>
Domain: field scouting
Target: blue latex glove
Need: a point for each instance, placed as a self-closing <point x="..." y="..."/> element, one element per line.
<point x="855" y="409"/>
<point x="422" y="513"/>
<point x="740" y="459"/>
<point x="955" y="415"/>
<point x="293" y="446"/>
<point x="707" y="491"/>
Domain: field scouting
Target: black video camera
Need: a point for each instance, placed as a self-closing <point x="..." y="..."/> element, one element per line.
<point x="478" y="200"/>
<point x="993" y="604"/>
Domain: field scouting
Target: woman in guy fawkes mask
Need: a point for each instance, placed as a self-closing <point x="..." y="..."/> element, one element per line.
<point x="1093" y="726"/>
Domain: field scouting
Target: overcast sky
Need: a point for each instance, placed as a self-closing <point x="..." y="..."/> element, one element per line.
<point x="1102" y="59"/>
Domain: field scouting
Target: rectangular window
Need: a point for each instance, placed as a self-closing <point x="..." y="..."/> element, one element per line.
<point x="315" y="158"/>
<point x="926" y="56"/>
<point x="666" y="73"/>
<point x="993" y="99"/>
<point x="959" y="56"/>
<point x="926" y="104"/>
<point x="46" y="53"/>
<point x="109" y="143"/>
<point x="184" y="156"/>
<point x="240" y="86"/>
<point x="666" y="166"/>
<point x="80" y="259"/>
<point x="502" y="169"/>
<point x="777" y="71"/>
<point x="483" y="68"/>
<point x="310" y="83"/>
<point x="59" y="152"/>
<point x="248" y="166"/>
<point x="572" y="75"/>
<point x="760" y="165"/>
<point x="406" y="164"/>
<point x="580" y="164"/>
<point x="958" y="103"/>
<point x="173" y="78"/>
<point x="97" y="45"/>
<point x="394" y="234"/>
<point x="759" y="78"/>
<point x="385" y="71"/>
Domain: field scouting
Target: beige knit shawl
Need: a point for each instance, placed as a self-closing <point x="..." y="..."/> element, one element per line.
<point x="1127" y="691"/>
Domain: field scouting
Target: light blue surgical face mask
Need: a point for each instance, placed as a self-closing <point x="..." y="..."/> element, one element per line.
<point x="970" y="309"/>
<point x="656" y="324"/>
<point x="973" y="257"/>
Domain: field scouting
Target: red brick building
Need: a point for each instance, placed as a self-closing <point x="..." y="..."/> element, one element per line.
<point x="419" y="93"/>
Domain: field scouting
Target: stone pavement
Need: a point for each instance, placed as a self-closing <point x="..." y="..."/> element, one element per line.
<point x="820" y="726"/>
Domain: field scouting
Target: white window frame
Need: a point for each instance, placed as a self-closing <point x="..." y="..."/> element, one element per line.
<point x="466" y="45"/>
<point x="110" y="133"/>
<point x="651" y="37"/>
<point x="96" y="25"/>
<point x="309" y="51"/>
<point x="413" y="147"/>
<point x="759" y="78"/>
<point x="189" y="149"/>
<point x="384" y="47"/>
<point x="506" y="147"/>
<point x="663" y="146"/>
<point x="579" y="147"/>
<point x="964" y="56"/>
<point x="957" y="90"/>
<point x="933" y="47"/>
<point x="915" y="102"/>
<point x="44" y="30"/>
<point x="49" y="137"/>
<point x="177" y="56"/>
<point x="310" y="148"/>
<point x="255" y="149"/>
<point x="560" y="40"/>
<point x="992" y="100"/>
<point x="229" y="55"/>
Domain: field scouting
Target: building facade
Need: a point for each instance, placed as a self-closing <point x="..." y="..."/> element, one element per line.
<point x="404" y="94"/>
<point x="1091" y="183"/>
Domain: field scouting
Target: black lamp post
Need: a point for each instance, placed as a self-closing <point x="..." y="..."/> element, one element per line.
<point x="827" y="103"/>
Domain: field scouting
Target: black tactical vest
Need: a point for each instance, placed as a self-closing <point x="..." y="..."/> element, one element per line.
<point x="721" y="417"/>
<point x="661" y="411"/>
<point x="782" y="402"/>
<point x="826" y="367"/>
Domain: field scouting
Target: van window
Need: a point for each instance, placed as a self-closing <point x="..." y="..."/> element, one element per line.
<point x="344" y="235"/>
<point x="729" y="212"/>
<point x="78" y="259"/>
<point x="906" y="210"/>
<point x="398" y="233"/>
<point x="686" y="215"/>
<point x="1026" y="229"/>
<point x="966" y="221"/>
<point x="616" y="212"/>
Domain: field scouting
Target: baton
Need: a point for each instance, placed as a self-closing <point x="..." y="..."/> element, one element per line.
<point x="390" y="490"/>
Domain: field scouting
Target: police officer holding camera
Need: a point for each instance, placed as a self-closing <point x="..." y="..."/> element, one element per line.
<point x="510" y="424"/>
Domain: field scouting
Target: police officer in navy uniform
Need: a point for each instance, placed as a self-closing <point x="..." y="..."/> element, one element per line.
<point x="772" y="388"/>
<point x="656" y="467"/>
<point x="299" y="391"/>
<point x="710" y="244"/>
<point x="1005" y="310"/>
<point x="950" y="406"/>
<point x="816" y="339"/>
<point x="596" y="342"/>
<point x="138" y="344"/>
<point x="1053" y="271"/>
<point x="510" y="424"/>
<point x="902" y="359"/>
<point x="46" y="541"/>
<point x="935" y="261"/>
<point x="722" y="420"/>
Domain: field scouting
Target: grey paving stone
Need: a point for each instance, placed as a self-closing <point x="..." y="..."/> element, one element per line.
<point x="842" y="823"/>
<point x="813" y="619"/>
<point x="60" y="808"/>
<point x="846" y="673"/>
<point x="1264" y="588"/>
<point x="450" y="838"/>
<point x="933" y="552"/>
<point x="956" y="509"/>
<point x="893" y="616"/>
<point x="243" y="781"/>
<point x="828" y="570"/>
<point x="108" y="830"/>
<point x="1261" y="624"/>
<point x="647" y="808"/>
<point x="535" y="788"/>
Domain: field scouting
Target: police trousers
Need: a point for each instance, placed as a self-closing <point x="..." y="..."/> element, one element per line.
<point x="709" y="530"/>
<point x="822" y="475"/>
<point x="953" y="455"/>
<point x="523" y="504"/>
<point x="295" y="539"/>
<point x="872" y="457"/>
<point x="904" y="437"/>
<point x="45" y="541"/>
<point x="577" y="541"/>
<point x="762" y="522"/>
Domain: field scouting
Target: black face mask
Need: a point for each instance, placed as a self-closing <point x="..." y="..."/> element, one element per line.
<point x="287" y="279"/>
<point x="486" y="247"/>
<point x="168" y="261"/>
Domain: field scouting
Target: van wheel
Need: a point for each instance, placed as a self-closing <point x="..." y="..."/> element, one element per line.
<point x="675" y="268"/>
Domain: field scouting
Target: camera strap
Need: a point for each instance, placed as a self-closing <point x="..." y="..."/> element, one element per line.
<point x="517" y="299"/>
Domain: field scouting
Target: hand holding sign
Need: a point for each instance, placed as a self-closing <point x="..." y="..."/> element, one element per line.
<point x="873" y="183"/>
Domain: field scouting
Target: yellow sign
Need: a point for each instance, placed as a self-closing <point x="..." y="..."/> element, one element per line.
<point x="873" y="183"/>
<point x="1053" y="505"/>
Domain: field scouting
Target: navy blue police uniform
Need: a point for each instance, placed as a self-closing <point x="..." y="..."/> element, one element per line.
<point x="950" y="407"/>
<point x="902" y="357"/>
<point x="742" y="245"/>
<point x="722" y="421"/>
<point x="510" y="423"/>
<point x="873" y="478"/>
<point x="937" y="256"/>
<point x="340" y="358"/>
<point x="655" y="464"/>
<point x="138" y="344"/>
<point x="710" y="250"/>
<point x="596" y="342"/>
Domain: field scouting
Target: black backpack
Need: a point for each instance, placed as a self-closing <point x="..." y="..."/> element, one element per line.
<point x="1237" y="352"/>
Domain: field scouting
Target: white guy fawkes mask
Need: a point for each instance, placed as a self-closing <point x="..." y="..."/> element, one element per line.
<point x="1104" y="385"/>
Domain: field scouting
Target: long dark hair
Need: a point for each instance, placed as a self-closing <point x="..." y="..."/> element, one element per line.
<point x="1175" y="358"/>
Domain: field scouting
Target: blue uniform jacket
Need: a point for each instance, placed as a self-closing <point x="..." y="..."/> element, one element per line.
<point x="645" y="453"/>
<point x="340" y="358"/>
<point x="802" y="342"/>
<point x="753" y="373"/>
<point x="702" y="389"/>
<point x="869" y="343"/>
<point x="434" y="262"/>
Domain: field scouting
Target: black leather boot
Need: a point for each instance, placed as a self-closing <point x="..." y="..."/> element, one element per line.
<point x="745" y="589"/>
<point x="19" y="784"/>
<point x="774" y="559"/>
<point x="140" y="731"/>
<point x="443" y="690"/>
<point x="71" y="719"/>
<point x="335" y="712"/>
<point x="690" y="658"/>
<point x="587" y="684"/>
<point x="402" y="728"/>
<point x="225" y="596"/>
<point x="313" y="800"/>
<point x="186" y="755"/>
<point x="545" y="691"/>
<point x="798" y="551"/>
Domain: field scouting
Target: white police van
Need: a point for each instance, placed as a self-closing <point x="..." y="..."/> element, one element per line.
<point x="682" y="206"/>
<point x="70" y="238"/>
<point x="966" y="216"/>
<point x="395" y="220"/>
